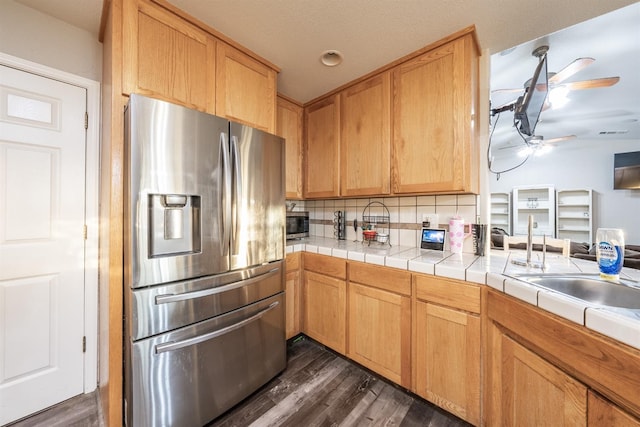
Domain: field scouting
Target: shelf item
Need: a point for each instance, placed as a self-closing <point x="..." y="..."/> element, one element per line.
<point x="501" y="211"/>
<point x="374" y="226"/>
<point x="538" y="201"/>
<point x="574" y="219"/>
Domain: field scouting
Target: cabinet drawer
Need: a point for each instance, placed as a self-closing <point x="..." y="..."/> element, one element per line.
<point x="452" y="293"/>
<point x="326" y="265"/>
<point x="386" y="278"/>
<point x="293" y="262"/>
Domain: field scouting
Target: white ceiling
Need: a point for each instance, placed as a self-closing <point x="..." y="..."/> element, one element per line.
<point x="371" y="33"/>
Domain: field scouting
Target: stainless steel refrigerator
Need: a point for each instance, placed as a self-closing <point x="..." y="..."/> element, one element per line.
<point x="204" y="263"/>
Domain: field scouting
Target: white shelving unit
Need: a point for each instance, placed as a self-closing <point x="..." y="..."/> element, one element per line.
<point x="574" y="210"/>
<point x="501" y="211"/>
<point x="538" y="201"/>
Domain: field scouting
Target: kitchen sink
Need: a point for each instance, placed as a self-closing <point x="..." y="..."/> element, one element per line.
<point x="623" y="294"/>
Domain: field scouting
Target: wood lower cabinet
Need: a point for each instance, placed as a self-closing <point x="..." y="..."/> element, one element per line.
<point x="379" y="316"/>
<point x="365" y="122"/>
<point x="293" y="296"/>
<point x="289" y="126"/>
<point x="167" y="57"/>
<point x="601" y="412"/>
<point x="533" y="392"/>
<point x="435" y="114"/>
<point x="541" y="369"/>
<point x="447" y="343"/>
<point x="325" y="300"/>
<point x="245" y="89"/>
<point x="322" y="148"/>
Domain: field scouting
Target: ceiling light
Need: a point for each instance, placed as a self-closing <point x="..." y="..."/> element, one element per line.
<point x="558" y="97"/>
<point x="331" y="58"/>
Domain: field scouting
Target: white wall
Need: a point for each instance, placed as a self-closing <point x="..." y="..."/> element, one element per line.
<point x="32" y="35"/>
<point x="584" y="164"/>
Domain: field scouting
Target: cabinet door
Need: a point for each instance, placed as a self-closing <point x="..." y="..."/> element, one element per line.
<point x="325" y="305"/>
<point x="168" y="58"/>
<point x="293" y="295"/>
<point x="366" y="137"/>
<point x="322" y="149"/>
<point x="447" y="363"/>
<point x="435" y="144"/>
<point x="293" y="302"/>
<point x="604" y="413"/>
<point x="289" y="126"/>
<point x="245" y="89"/>
<point x="533" y="392"/>
<point x="380" y="332"/>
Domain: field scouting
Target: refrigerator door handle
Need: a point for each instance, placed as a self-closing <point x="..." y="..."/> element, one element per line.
<point x="225" y="192"/>
<point x="171" y="346"/>
<point x="237" y="193"/>
<point x="168" y="298"/>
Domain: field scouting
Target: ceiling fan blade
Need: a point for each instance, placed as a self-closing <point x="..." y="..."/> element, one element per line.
<point x="559" y="139"/>
<point x="507" y="90"/>
<point x="592" y="84"/>
<point x="570" y="70"/>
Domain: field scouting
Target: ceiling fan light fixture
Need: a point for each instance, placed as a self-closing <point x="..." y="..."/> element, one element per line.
<point x="331" y="58"/>
<point x="558" y="97"/>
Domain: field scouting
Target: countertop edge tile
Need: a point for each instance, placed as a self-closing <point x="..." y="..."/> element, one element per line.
<point x="523" y="291"/>
<point x="566" y="307"/>
<point x="614" y="325"/>
<point x="496" y="281"/>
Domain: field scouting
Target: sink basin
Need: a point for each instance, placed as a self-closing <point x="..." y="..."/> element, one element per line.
<point x="589" y="289"/>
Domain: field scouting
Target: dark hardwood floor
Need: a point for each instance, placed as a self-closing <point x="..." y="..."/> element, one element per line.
<point x="318" y="388"/>
<point x="321" y="388"/>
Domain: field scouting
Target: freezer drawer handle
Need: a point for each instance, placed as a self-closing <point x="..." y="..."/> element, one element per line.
<point x="171" y="346"/>
<point x="167" y="298"/>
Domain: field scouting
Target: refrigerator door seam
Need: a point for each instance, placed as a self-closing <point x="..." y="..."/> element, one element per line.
<point x="171" y="346"/>
<point x="169" y="298"/>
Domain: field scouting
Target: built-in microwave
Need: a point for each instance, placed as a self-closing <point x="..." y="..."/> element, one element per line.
<point x="297" y="224"/>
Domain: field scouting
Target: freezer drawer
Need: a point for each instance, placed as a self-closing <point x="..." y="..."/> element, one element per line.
<point x="158" y="309"/>
<point x="191" y="375"/>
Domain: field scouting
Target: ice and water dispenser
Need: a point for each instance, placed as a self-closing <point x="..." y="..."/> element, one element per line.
<point x="175" y="224"/>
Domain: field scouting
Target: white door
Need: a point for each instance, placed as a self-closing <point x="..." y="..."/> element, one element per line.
<point x="42" y="202"/>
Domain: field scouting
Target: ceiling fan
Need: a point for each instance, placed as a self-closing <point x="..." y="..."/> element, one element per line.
<point x="537" y="145"/>
<point x="557" y="79"/>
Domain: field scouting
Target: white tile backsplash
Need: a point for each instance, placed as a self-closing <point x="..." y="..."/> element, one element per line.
<point x="406" y="214"/>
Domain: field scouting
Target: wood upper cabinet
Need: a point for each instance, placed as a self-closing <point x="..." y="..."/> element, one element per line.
<point x="245" y="89"/>
<point x="435" y="142"/>
<point x="447" y="362"/>
<point x="365" y="137"/>
<point x="289" y="126"/>
<point x="380" y="320"/>
<point x="600" y="413"/>
<point x="293" y="296"/>
<point x="322" y="148"/>
<point x="166" y="57"/>
<point x="325" y="300"/>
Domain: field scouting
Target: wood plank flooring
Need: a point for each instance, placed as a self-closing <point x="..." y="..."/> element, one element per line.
<point x="318" y="389"/>
<point x="321" y="388"/>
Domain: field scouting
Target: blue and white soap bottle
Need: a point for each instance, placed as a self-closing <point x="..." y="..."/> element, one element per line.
<point x="610" y="252"/>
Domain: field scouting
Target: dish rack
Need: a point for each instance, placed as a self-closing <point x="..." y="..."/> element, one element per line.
<point x="370" y="224"/>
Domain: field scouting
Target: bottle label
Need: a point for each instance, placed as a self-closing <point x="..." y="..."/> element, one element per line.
<point x="610" y="258"/>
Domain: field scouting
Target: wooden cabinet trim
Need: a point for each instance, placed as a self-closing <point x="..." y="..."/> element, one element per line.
<point x="453" y="293"/>
<point x="603" y="413"/>
<point x="607" y="366"/>
<point x="387" y="278"/>
<point x="326" y="265"/>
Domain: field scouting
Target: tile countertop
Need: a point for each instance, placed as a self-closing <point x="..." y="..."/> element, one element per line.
<point x="493" y="270"/>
